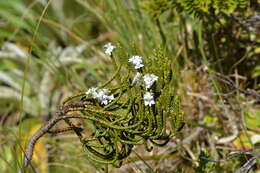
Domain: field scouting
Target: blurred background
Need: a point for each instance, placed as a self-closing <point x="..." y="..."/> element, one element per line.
<point x="51" y="49"/>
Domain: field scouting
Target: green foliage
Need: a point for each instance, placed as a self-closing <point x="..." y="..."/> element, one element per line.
<point x="256" y="74"/>
<point x="205" y="165"/>
<point x="196" y="7"/>
<point x="177" y="120"/>
<point x="220" y="31"/>
<point x="252" y="118"/>
<point x="126" y="121"/>
<point x="156" y="7"/>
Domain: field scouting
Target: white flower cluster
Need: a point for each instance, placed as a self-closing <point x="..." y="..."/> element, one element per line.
<point x="109" y="49"/>
<point x="148" y="79"/>
<point x="100" y="95"/>
<point x="137" y="61"/>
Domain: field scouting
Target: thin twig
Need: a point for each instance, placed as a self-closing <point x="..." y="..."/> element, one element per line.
<point x="247" y="166"/>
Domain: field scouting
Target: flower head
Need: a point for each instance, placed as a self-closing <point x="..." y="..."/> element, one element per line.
<point x="109" y="49"/>
<point x="137" y="61"/>
<point x="149" y="80"/>
<point x="148" y="99"/>
<point x="101" y="95"/>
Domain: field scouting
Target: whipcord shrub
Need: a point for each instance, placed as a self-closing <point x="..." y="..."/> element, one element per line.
<point x="137" y="111"/>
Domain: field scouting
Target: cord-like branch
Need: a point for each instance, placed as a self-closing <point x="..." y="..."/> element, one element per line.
<point x="42" y="131"/>
<point x="31" y="144"/>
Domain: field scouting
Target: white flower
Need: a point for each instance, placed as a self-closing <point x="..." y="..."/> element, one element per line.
<point x="148" y="99"/>
<point x="137" y="78"/>
<point x="137" y="61"/>
<point x="109" y="49"/>
<point x="106" y="99"/>
<point x="103" y="98"/>
<point x="92" y="92"/>
<point x="149" y="80"/>
<point x="100" y="95"/>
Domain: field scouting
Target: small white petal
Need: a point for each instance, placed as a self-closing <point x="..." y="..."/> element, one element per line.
<point x="110" y="98"/>
<point x="137" y="66"/>
<point x="109" y="49"/>
<point x="104" y="102"/>
<point x="136" y="61"/>
<point x="148" y="99"/>
<point x="149" y="80"/>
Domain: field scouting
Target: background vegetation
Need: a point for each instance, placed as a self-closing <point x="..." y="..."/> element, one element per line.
<point x="52" y="49"/>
